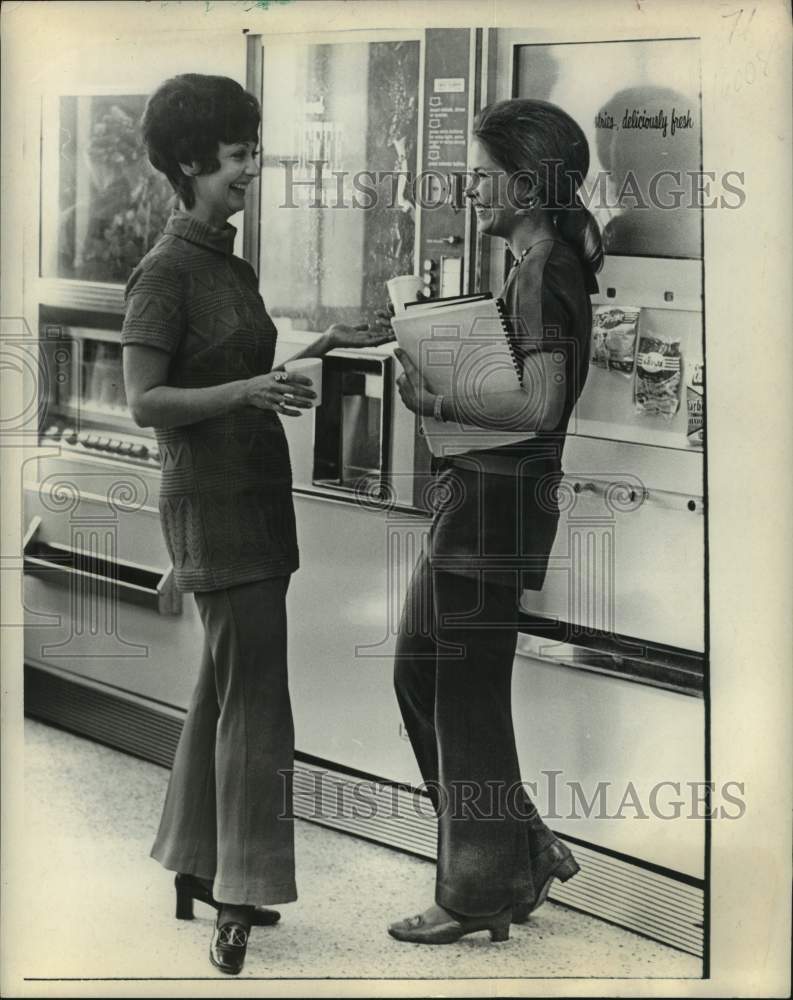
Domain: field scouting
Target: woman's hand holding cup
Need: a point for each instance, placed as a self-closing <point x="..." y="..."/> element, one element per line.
<point x="286" y="393"/>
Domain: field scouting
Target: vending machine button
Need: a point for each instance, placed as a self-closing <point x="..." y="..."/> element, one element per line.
<point x="53" y="431"/>
<point x="126" y="448"/>
<point x="428" y="265"/>
<point x="91" y="441"/>
<point x="114" y="445"/>
<point x="139" y="451"/>
<point x="103" y="443"/>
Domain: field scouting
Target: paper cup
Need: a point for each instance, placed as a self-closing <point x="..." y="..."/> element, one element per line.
<point x="404" y="289"/>
<point x="311" y="368"/>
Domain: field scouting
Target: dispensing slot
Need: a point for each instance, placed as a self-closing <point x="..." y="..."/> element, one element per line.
<point x="142" y="585"/>
<point x="351" y="433"/>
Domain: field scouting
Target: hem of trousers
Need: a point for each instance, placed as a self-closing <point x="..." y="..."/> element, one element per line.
<point x="187" y="867"/>
<point x="259" y="894"/>
<point x="262" y="894"/>
<point x="462" y="903"/>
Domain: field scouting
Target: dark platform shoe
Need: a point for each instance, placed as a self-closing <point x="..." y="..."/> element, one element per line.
<point x="190" y="887"/>
<point x="556" y="861"/>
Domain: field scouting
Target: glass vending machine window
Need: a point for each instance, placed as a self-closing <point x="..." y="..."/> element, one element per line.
<point x="101" y="382"/>
<point x="85" y="406"/>
<point x="339" y="138"/>
<point x="640" y="111"/>
<point x="103" y="205"/>
<point x="641" y="114"/>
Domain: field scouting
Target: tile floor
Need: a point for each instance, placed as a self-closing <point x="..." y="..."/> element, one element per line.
<point x="101" y="908"/>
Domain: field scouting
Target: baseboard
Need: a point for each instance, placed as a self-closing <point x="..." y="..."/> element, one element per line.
<point x="623" y="891"/>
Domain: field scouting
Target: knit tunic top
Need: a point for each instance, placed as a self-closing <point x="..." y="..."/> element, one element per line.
<point x="226" y="489"/>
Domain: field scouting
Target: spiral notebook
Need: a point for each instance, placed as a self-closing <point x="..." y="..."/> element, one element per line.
<point x="461" y="345"/>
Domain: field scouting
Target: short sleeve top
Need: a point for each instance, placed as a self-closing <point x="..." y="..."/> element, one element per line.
<point x="497" y="509"/>
<point x="547" y="308"/>
<point x="225" y="495"/>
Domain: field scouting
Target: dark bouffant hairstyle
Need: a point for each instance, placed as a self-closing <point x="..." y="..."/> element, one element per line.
<point x="537" y="138"/>
<point x="187" y="117"/>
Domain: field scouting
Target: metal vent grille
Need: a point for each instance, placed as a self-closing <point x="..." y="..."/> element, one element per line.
<point x="630" y="895"/>
<point x="649" y="903"/>
<point x="134" y="725"/>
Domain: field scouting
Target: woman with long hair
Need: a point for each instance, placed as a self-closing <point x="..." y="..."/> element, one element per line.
<point x="198" y="367"/>
<point x="493" y="529"/>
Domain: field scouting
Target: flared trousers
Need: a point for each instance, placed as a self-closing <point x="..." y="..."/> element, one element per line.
<point x="453" y="674"/>
<point x="228" y="809"/>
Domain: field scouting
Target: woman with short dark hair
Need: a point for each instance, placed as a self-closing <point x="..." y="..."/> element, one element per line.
<point x="198" y="367"/>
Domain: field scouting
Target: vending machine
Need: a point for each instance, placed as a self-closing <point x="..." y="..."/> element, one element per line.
<point x="364" y="139"/>
<point x="611" y="661"/>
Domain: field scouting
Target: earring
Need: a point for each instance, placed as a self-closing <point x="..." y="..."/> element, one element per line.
<point x="532" y="204"/>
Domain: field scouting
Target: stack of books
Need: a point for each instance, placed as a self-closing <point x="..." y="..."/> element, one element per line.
<point x="461" y="346"/>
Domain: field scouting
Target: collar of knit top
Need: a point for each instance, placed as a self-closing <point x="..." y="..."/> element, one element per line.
<point x="183" y="224"/>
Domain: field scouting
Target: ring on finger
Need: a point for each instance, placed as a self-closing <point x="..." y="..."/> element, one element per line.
<point x="280" y="376"/>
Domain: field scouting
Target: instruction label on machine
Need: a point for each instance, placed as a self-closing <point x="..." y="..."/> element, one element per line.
<point x="449" y="85"/>
<point x="446" y="109"/>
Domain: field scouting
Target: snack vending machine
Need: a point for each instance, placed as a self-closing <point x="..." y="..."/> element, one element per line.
<point x="111" y="647"/>
<point x="364" y="139"/>
<point x="614" y="648"/>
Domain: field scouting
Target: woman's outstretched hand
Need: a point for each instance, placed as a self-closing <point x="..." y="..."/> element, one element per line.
<point x="280" y="391"/>
<point x="361" y="335"/>
<point x="412" y="388"/>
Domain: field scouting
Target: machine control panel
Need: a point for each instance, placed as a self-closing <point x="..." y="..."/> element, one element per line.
<point x="113" y="444"/>
<point x="447" y="110"/>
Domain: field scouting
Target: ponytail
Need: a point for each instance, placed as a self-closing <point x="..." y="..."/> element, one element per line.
<point x="578" y="227"/>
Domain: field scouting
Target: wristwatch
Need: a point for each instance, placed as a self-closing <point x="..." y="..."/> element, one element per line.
<point x="437" y="409"/>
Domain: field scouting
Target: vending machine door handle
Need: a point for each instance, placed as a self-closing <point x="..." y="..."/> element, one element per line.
<point x="627" y="496"/>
